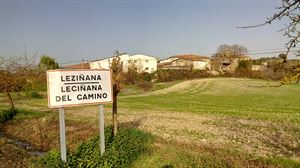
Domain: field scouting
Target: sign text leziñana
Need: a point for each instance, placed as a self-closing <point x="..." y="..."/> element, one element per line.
<point x="75" y="87"/>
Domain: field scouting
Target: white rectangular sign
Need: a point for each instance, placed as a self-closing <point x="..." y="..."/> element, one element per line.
<point x="76" y="87"/>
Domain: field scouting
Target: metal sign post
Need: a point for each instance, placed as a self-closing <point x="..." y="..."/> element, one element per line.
<point x="78" y="87"/>
<point x="101" y="126"/>
<point x="62" y="135"/>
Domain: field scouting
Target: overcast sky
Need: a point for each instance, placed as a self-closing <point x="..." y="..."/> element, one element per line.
<point x="74" y="29"/>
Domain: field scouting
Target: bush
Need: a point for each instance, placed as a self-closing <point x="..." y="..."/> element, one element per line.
<point x="126" y="147"/>
<point x="167" y="75"/>
<point x="145" y="85"/>
<point x="6" y="115"/>
<point x="244" y="66"/>
<point x="32" y="94"/>
<point x="51" y="160"/>
<point x="121" y="151"/>
<point x="133" y="77"/>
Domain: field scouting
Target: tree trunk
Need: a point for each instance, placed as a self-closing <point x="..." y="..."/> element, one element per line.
<point x="114" y="111"/>
<point x="11" y="102"/>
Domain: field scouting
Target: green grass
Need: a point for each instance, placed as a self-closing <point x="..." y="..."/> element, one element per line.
<point x="227" y="97"/>
<point x="171" y="155"/>
<point x="134" y="89"/>
<point x="120" y="151"/>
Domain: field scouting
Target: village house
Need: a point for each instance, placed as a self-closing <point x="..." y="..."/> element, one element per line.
<point x="229" y="64"/>
<point x="185" y="62"/>
<point x="140" y="62"/>
<point x="78" y="66"/>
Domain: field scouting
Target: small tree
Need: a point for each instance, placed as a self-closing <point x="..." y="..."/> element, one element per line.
<point x="15" y="73"/>
<point x="118" y="79"/>
<point x="47" y="63"/>
<point x="244" y="66"/>
<point x="132" y="75"/>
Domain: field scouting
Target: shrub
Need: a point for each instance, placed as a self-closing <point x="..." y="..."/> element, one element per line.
<point x="51" y="160"/>
<point x="32" y="94"/>
<point x="126" y="147"/>
<point x="145" y="76"/>
<point x="6" y="115"/>
<point x="121" y="151"/>
<point x="244" y="66"/>
<point x="131" y="76"/>
<point x="145" y="85"/>
<point x="167" y="75"/>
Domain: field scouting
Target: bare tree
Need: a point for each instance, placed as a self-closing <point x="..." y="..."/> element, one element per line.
<point x="15" y="73"/>
<point x="226" y="54"/>
<point x="118" y="79"/>
<point x="230" y="51"/>
<point x="288" y="12"/>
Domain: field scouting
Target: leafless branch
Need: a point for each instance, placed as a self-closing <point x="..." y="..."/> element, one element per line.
<point x="290" y="11"/>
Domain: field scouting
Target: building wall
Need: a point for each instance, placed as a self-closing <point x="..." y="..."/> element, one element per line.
<point x="256" y="67"/>
<point x="106" y="63"/>
<point x="142" y="62"/>
<point x="182" y="62"/>
<point x="202" y="65"/>
<point x="177" y="63"/>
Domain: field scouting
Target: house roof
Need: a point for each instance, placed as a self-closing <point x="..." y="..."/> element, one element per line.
<point x="190" y="57"/>
<point x="171" y="61"/>
<point x="144" y="55"/>
<point x="124" y="55"/>
<point x="78" y="66"/>
<point x="120" y="55"/>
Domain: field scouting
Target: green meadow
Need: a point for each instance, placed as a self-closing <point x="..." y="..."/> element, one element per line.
<point x="246" y="98"/>
<point x="213" y="122"/>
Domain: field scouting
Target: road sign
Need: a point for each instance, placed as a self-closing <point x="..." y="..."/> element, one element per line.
<point x="77" y="87"/>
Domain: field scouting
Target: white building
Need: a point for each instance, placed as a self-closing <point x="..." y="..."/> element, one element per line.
<point x="141" y="63"/>
<point x="105" y="63"/>
<point x="186" y="62"/>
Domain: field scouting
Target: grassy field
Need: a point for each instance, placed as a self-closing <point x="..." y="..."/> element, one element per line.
<point x="225" y="97"/>
<point x="249" y="122"/>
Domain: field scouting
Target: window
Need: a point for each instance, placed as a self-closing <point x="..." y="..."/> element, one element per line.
<point x="146" y="68"/>
<point x="146" y="61"/>
<point x="134" y="61"/>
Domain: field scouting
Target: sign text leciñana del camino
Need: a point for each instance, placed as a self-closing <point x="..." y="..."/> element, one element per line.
<point x="75" y="87"/>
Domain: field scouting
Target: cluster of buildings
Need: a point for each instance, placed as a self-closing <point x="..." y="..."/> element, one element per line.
<point x="146" y="63"/>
